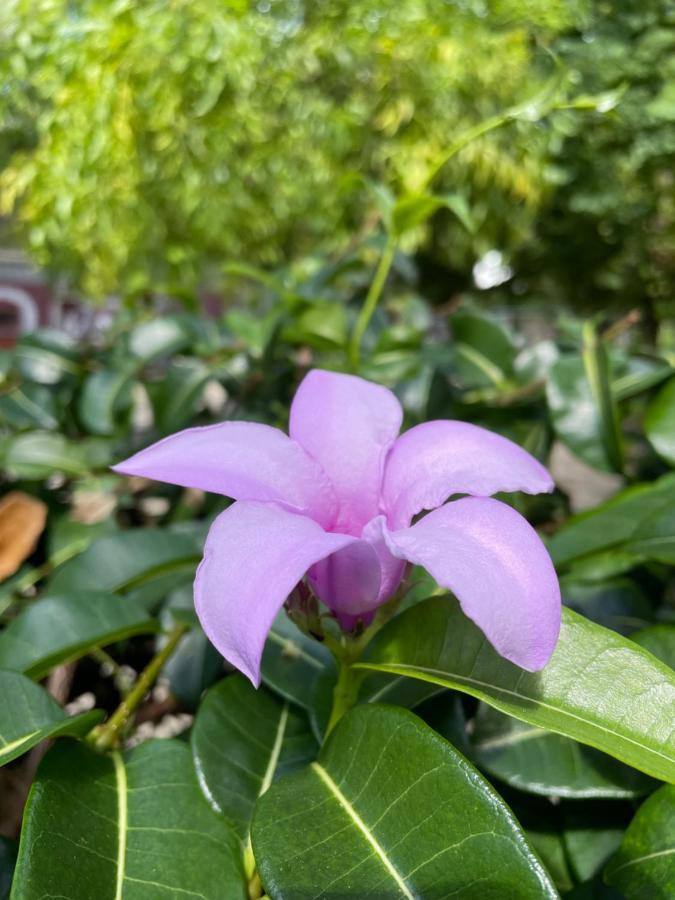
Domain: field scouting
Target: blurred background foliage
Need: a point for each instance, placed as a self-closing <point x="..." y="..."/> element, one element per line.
<point x="143" y="146"/>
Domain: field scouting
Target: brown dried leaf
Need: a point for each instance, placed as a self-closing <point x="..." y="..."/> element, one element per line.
<point x="22" y="520"/>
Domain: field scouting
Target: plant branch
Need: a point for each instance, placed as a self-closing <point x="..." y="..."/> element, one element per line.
<point x="107" y="736"/>
<point x="371" y="301"/>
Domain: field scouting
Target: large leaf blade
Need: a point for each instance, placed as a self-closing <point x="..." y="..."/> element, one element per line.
<point x="599" y="688"/>
<point x="390" y="809"/>
<point x="242" y="741"/>
<point x="66" y="626"/>
<point x="644" y="865"/>
<point x="28" y="715"/>
<point x="109" y="826"/>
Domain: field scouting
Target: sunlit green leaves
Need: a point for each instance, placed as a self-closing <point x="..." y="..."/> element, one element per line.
<point x="135" y="827"/>
<point x="599" y="688"/>
<point x="28" y="715"/>
<point x="614" y="525"/>
<point x="391" y="809"/>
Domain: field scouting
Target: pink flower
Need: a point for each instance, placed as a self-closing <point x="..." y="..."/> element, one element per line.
<point x="334" y="501"/>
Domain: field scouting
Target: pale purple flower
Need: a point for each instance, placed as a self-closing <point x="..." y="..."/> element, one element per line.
<point x="334" y="501"/>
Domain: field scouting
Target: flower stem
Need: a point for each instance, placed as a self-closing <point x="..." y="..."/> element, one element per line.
<point x="106" y="736"/>
<point x="348" y="651"/>
<point x="346" y="691"/>
<point x="371" y="301"/>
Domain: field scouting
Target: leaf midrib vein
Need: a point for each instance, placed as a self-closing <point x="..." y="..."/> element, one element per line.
<point x="328" y="782"/>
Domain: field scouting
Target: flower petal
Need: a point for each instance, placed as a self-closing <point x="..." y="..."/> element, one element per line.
<point x="436" y="459"/>
<point x="391" y="568"/>
<point x="255" y="554"/>
<point x="347" y="425"/>
<point x="243" y="460"/>
<point x="348" y="581"/>
<point x="492" y="559"/>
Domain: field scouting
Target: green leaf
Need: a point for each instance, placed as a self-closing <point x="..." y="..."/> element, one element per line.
<point x="103" y="393"/>
<point x="133" y="826"/>
<point x="29" y="406"/>
<point x="618" y="603"/>
<point x="574" y="412"/>
<point x="592" y="832"/>
<point x="660" y="422"/>
<point x="292" y="661"/>
<point x="484" y="351"/>
<point x="412" y="210"/>
<point x="28" y="715"/>
<point x="598" y="374"/>
<point x="534" y="760"/>
<point x="654" y="537"/>
<point x="659" y="640"/>
<point x="322" y="326"/>
<point x="612" y="524"/>
<point x="176" y="396"/>
<point x="242" y="740"/>
<point x="644" y="866"/>
<point x="160" y="337"/>
<point x="598" y="688"/>
<point x="531" y="759"/>
<point x="66" y="626"/>
<point x="390" y="809"/>
<point x="131" y="559"/>
<point x="46" y="356"/>
<point x="195" y="664"/>
<point x="39" y="454"/>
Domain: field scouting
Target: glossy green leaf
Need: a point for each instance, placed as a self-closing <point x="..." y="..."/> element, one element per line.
<point x="598" y="688"/>
<point x="242" y="741"/>
<point x="133" y="827"/>
<point x="644" y="866"/>
<point x="654" y="537"/>
<point x="534" y="760"/>
<point x="531" y="759"/>
<point x="659" y="640"/>
<point x="598" y="374"/>
<point x="39" y="454"/>
<point x="660" y="422"/>
<point x="484" y="351"/>
<point x="574" y="412"/>
<point x="176" y="397"/>
<point x="390" y="809"/>
<point x="102" y="395"/>
<point x="28" y="715"/>
<point x="29" y="406"/>
<point x="131" y="559"/>
<point x="612" y="524"/>
<point x="641" y="374"/>
<point x="46" y="356"/>
<point x="65" y="626"/>
<point x="160" y="337"/>
<point x="292" y="661"/>
<point x="322" y="326"/>
<point x="194" y="666"/>
<point x="617" y="603"/>
<point x="591" y="833"/>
